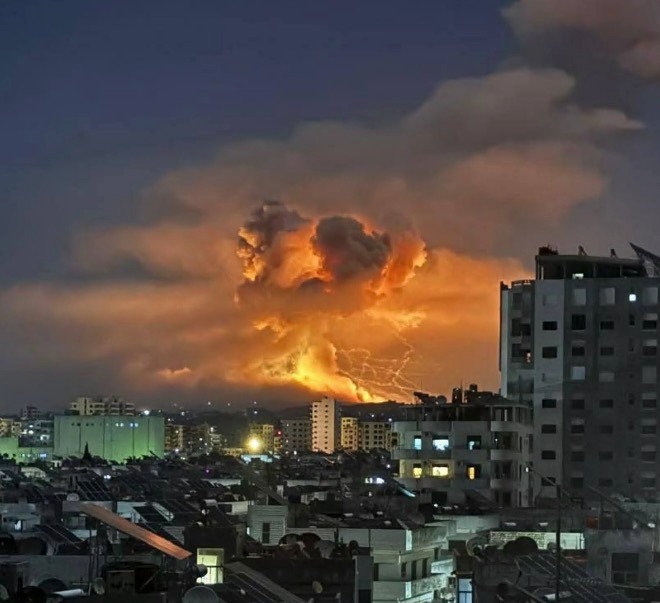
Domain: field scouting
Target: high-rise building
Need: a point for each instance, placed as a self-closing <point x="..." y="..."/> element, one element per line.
<point x="326" y="425"/>
<point x="296" y="435"/>
<point x="580" y="342"/>
<point x="102" y="405"/>
<point x="188" y="439"/>
<point x="474" y="449"/>
<point x="349" y="433"/>
<point x="375" y="435"/>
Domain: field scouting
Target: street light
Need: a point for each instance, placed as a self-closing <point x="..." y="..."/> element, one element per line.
<point x="553" y="482"/>
<point x="254" y="445"/>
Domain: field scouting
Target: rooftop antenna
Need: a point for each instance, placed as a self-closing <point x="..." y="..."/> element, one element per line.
<point x="581" y="250"/>
<point x="613" y="253"/>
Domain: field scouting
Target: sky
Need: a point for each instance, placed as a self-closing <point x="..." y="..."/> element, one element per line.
<point x="411" y="159"/>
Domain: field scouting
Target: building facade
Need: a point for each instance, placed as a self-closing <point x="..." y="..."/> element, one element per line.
<point x="112" y="438"/>
<point x="102" y="405"/>
<point x="349" y="433"/>
<point x="9" y="427"/>
<point x="296" y="435"/>
<point x="265" y="433"/>
<point x="478" y="447"/>
<point x="580" y="342"/>
<point x="375" y="435"/>
<point x="326" y="425"/>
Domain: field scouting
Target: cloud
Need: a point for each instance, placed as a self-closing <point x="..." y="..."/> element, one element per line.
<point x="628" y="29"/>
<point x="375" y="272"/>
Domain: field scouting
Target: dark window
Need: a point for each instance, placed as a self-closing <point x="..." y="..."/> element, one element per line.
<point x="605" y="455"/>
<point x="577" y="350"/>
<point x="549" y="403"/>
<point x="607" y="429"/>
<point x="649" y="403"/>
<point x="517" y="300"/>
<point x="608" y="403"/>
<point x="549" y="325"/>
<point x="404" y="570"/>
<point x="631" y="320"/>
<point x="548" y="428"/>
<point x="606" y="325"/>
<point x="577" y="456"/>
<point x="376" y="576"/>
<point x="473" y="471"/>
<point x="625" y="568"/>
<point x="649" y="350"/>
<point x="577" y="482"/>
<point x="577" y="404"/>
<point x="649" y="325"/>
<point x="413" y="570"/>
<point x="526" y="329"/>
<point x="605" y="482"/>
<point x="577" y="428"/>
<point x="649" y="429"/>
<point x="607" y="351"/>
<point x="265" y="533"/>
<point x="549" y="352"/>
<point x="648" y="482"/>
<point x="548" y="455"/>
<point x="516" y="331"/>
<point x="578" y="322"/>
<point x="648" y="455"/>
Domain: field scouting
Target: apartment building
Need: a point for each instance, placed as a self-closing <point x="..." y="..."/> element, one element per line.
<point x="188" y="439"/>
<point x="265" y="434"/>
<point x="375" y="435"/>
<point x="475" y="446"/>
<point x="296" y="435"/>
<point x="9" y="427"/>
<point x="102" y="405"/>
<point x="580" y="342"/>
<point x="349" y="433"/>
<point x="326" y="425"/>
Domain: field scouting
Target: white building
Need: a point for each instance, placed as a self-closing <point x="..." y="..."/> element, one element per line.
<point x="102" y="405"/>
<point x="326" y="425"/>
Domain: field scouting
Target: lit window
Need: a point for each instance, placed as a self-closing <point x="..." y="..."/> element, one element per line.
<point x="440" y="443"/>
<point x="417" y="471"/>
<point x="473" y="471"/>
<point x="578" y="373"/>
<point x="440" y="471"/>
<point x="417" y="442"/>
<point x="632" y="297"/>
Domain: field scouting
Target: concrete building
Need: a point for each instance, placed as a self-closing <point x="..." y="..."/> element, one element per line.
<point x="410" y="564"/>
<point x="326" y="425"/>
<point x="9" y="428"/>
<point x="296" y="435"/>
<point x="375" y="434"/>
<point x="264" y="433"/>
<point x="580" y="342"/>
<point x="349" y="433"/>
<point x="188" y="439"/>
<point x="102" y="405"/>
<point x="475" y="446"/>
<point x="111" y="438"/>
<point x="37" y="432"/>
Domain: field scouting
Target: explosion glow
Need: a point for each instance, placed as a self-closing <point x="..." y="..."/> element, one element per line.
<point x="303" y="278"/>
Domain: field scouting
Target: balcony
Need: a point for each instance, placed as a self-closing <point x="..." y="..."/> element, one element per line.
<point x="390" y="590"/>
<point x="400" y="453"/>
<point x="504" y="454"/>
<point x="443" y="566"/>
<point x="507" y="483"/>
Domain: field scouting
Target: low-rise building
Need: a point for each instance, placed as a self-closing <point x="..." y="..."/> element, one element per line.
<point x="476" y="446"/>
<point x="111" y="438"/>
<point x="9" y="427"/>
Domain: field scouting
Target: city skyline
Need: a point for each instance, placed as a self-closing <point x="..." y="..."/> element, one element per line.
<point x="276" y="210"/>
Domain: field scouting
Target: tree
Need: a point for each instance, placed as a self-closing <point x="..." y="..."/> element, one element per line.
<point x="86" y="455"/>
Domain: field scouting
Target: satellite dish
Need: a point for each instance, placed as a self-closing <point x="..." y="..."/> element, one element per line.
<point x="98" y="586"/>
<point x="317" y="587"/>
<point x="199" y="570"/>
<point x="200" y="594"/>
<point x="4" y="593"/>
<point x="73" y="496"/>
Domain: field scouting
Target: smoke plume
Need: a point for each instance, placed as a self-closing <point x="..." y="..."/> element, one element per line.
<point x="374" y="272"/>
<point x="628" y="29"/>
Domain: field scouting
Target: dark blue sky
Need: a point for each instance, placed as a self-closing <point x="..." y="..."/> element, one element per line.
<point x="98" y="99"/>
